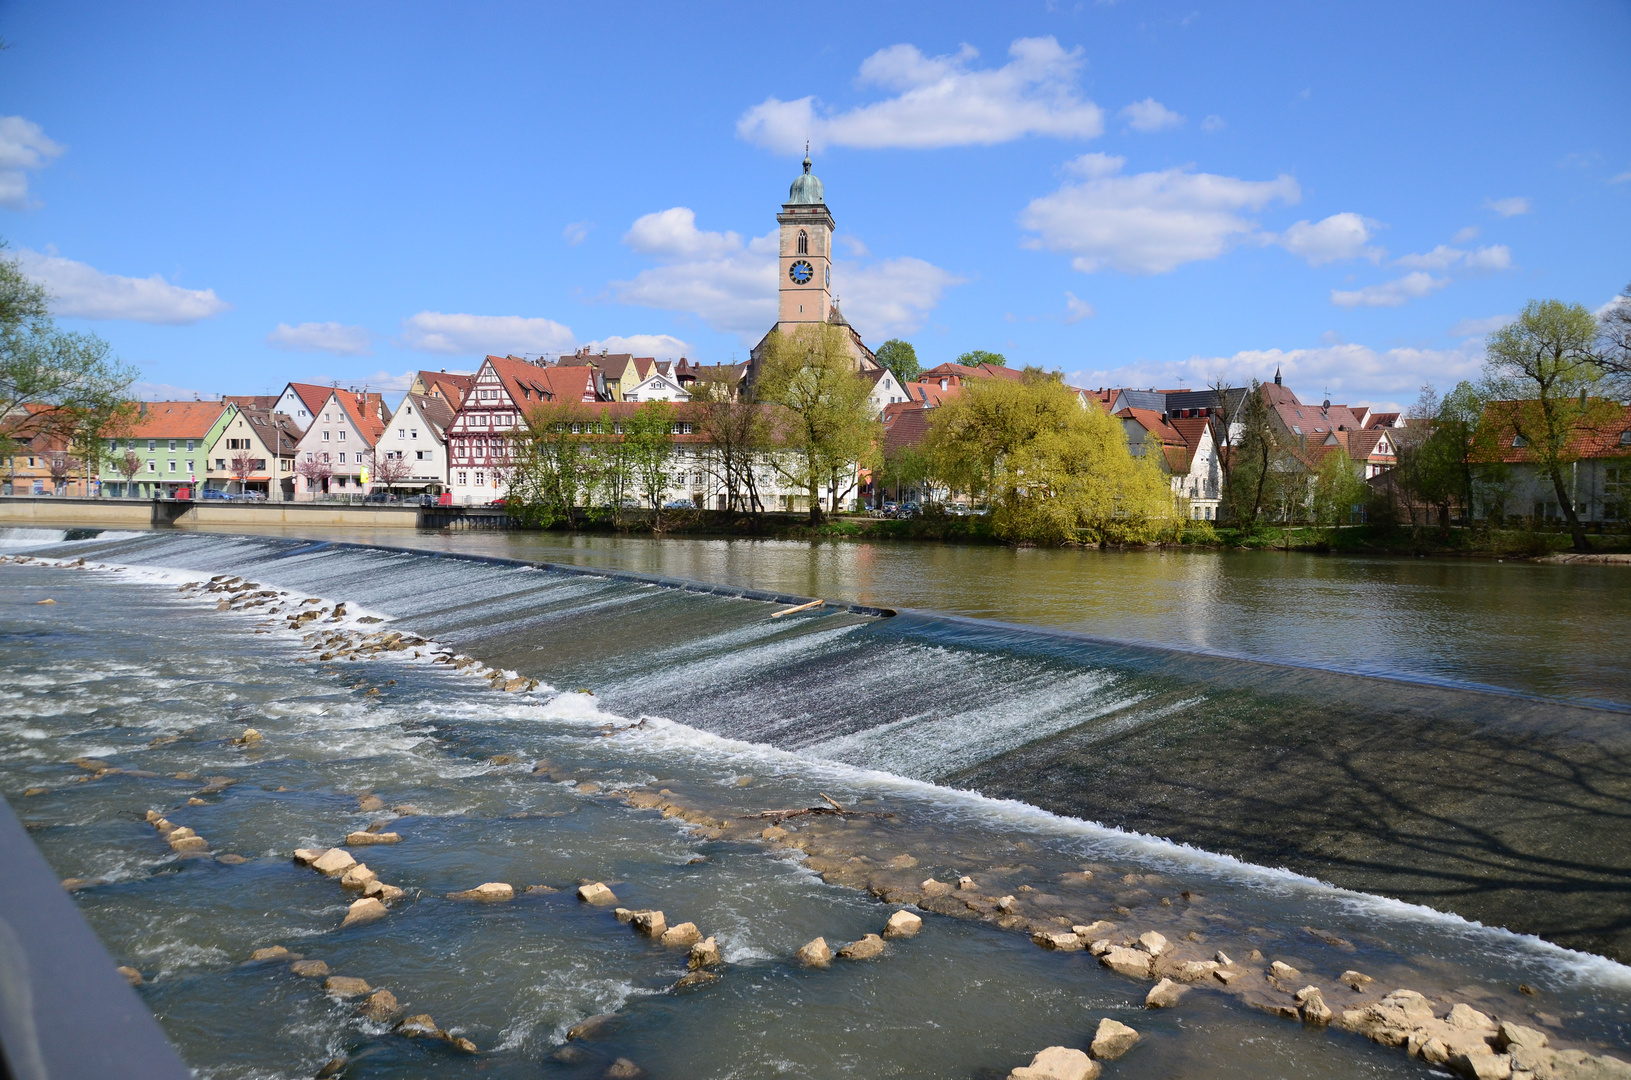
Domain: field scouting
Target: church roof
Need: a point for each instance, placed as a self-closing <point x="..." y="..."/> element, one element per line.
<point x="806" y="189"/>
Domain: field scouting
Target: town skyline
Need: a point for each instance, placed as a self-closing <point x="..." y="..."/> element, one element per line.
<point x="1054" y="185"/>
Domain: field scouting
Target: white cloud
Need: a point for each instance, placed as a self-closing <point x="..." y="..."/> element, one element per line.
<point x="1150" y="115"/>
<point x="326" y="337"/>
<point x="1494" y="257"/>
<point x="1440" y="258"/>
<point x="731" y="284"/>
<point x="853" y="245"/>
<point x="660" y="346"/>
<point x="1214" y="122"/>
<point x="24" y="148"/>
<point x="1465" y="236"/>
<point x="1509" y="207"/>
<point x="1150" y="222"/>
<point x="1352" y="374"/>
<point x="577" y="232"/>
<point x="85" y="292"/>
<point x="433" y="331"/>
<point x="1077" y="310"/>
<point x="941" y="101"/>
<point x="1340" y="236"/>
<point x="1390" y="294"/>
<point x="1620" y="179"/>
<point x="891" y="297"/>
<point x="1480" y="327"/>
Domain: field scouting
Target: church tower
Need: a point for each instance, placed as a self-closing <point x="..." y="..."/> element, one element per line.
<point x="805" y="294"/>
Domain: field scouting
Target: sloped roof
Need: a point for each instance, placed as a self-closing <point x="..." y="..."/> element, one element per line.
<point x="311" y="395"/>
<point x="1610" y="437"/>
<point x="176" y="419"/>
<point x="276" y="431"/>
<point x="252" y="401"/>
<point x="905" y="423"/>
<point x="1192" y="429"/>
<point x="930" y="393"/>
<point x="1382" y="420"/>
<point x="964" y="371"/>
<point x="433" y="410"/>
<point x="367" y="413"/>
<point x="459" y="382"/>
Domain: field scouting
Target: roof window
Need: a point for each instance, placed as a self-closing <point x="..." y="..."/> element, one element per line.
<point x="1519" y="441"/>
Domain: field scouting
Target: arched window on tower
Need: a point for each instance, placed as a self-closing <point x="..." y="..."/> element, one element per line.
<point x="804" y="242"/>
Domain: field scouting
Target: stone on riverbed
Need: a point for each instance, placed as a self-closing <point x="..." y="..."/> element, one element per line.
<point x="419" y="1026"/>
<point x="347" y="987"/>
<point x="865" y="949"/>
<point x="1061" y="942"/>
<point x="359" y="839"/>
<point x="272" y="952"/>
<point x="705" y="954"/>
<point x="309" y="969"/>
<point x="597" y="894"/>
<point x="381" y="891"/>
<point x="1152" y="943"/>
<point x="187" y="843"/>
<point x="1313" y="1006"/>
<point x="365" y="910"/>
<point x="490" y="892"/>
<point x="815" y="954"/>
<point x="357" y="877"/>
<point x="1112" y="1040"/>
<point x="333" y="862"/>
<point x="1510" y="1034"/>
<point x="685" y="934"/>
<point x="773" y="833"/>
<point x="1127" y="961"/>
<point x="1057" y="1063"/>
<point x="1356" y="980"/>
<point x="650" y="923"/>
<point x="1164" y="995"/>
<point x="1284" y="972"/>
<point x="695" y="979"/>
<point x="623" y="1069"/>
<point x="931" y="887"/>
<point x="381" y="1004"/>
<point x="593" y="1027"/>
<point x="902" y="924"/>
<point x="131" y="975"/>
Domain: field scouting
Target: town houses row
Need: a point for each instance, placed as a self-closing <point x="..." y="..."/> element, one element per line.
<point x="450" y="437"/>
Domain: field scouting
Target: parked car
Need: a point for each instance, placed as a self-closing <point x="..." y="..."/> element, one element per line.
<point x="214" y="493"/>
<point x="680" y="504"/>
<point x="500" y="501"/>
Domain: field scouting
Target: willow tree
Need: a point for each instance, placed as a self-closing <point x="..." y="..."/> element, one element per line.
<point x="1542" y="372"/>
<point x="1054" y="471"/>
<point x="827" y="427"/>
<point x="553" y="464"/>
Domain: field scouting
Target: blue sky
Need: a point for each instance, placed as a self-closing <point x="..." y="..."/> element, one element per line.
<point x="1144" y="194"/>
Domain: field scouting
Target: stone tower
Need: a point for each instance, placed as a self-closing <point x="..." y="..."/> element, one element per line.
<point x="805" y="294"/>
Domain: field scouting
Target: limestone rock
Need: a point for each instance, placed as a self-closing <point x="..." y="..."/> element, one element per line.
<point x="357" y="877"/>
<point x="1356" y="980"/>
<point x="333" y="862"/>
<point x="1284" y="972"/>
<point x="365" y="910"/>
<point x="1484" y="1066"/>
<point x="540" y="890"/>
<point x="489" y="892"/>
<point x="272" y="952"/>
<point x="381" y="1004"/>
<point x="1061" y="942"/>
<point x="685" y="934"/>
<point x="816" y="953"/>
<point x="902" y="924"/>
<point x="306" y="856"/>
<point x="1510" y="1034"/>
<point x="346" y="987"/>
<point x="966" y="882"/>
<point x="865" y="949"/>
<point x="419" y="1026"/>
<point x="188" y="843"/>
<point x="695" y="979"/>
<point x="622" y="914"/>
<point x="704" y="954"/>
<point x="131" y="975"/>
<point x="1058" y="1063"/>
<point x="649" y="923"/>
<point x="309" y="969"/>
<point x="369" y="803"/>
<point x="1132" y="962"/>
<point x="359" y="839"/>
<point x="1544" y="1063"/>
<point x="597" y="894"/>
<point x="902" y="862"/>
<point x="1005" y="904"/>
<point x="1112" y="1040"/>
<point x="1196" y="970"/>
<point x="1093" y="930"/>
<point x="230" y="859"/>
<point x="1164" y="995"/>
<point x="931" y="887"/>
<point x="1152" y="943"/>
<point x="623" y="1069"/>
<point x="1463" y="1015"/>
<point x="592" y="1027"/>
<point x="250" y="737"/>
<point x="1313" y="1006"/>
<point x="773" y="833"/>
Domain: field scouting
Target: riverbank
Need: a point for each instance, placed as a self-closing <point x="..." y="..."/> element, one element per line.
<point x="523" y="788"/>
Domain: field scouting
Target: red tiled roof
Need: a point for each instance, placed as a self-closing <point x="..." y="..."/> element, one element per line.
<point x="311" y="395"/>
<point x="905" y="423"/>
<point x="176" y="419"/>
<point x="365" y="412"/>
<point x="1609" y="436"/>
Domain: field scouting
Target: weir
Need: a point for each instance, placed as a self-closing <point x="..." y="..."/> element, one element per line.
<point x="1502" y="808"/>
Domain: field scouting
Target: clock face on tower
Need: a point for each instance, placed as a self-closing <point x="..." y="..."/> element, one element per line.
<point x="801" y="272"/>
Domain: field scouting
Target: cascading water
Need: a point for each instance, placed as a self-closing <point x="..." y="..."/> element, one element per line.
<point x="998" y="747"/>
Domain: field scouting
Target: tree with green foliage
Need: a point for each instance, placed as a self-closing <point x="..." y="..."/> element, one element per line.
<point x="51" y="381"/>
<point x="1338" y="488"/>
<point x="899" y="357"/>
<point x="827" y="427"/>
<point x="976" y="357"/>
<point x="1248" y="480"/>
<point x="1540" y="374"/>
<point x="1055" y="472"/>
<point x="648" y="437"/>
<point x="553" y="467"/>
<point x="729" y="417"/>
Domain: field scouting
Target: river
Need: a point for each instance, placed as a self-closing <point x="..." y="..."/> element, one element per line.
<point x="1392" y="752"/>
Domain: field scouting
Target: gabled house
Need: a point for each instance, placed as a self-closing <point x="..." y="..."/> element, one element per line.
<point x="412" y="454"/>
<point x="168" y="444"/>
<point x="1597" y="476"/>
<point x="657" y="387"/>
<point x="504" y="390"/>
<point x="302" y="401"/>
<point x="447" y="386"/>
<point x="254" y="451"/>
<point x="886" y="389"/>
<point x="344" y="431"/>
<point x="1184" y="450"/>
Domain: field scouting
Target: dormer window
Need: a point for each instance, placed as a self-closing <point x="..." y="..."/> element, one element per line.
<point x="1519" y="441"/>
<point x="1625" y="437"/>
